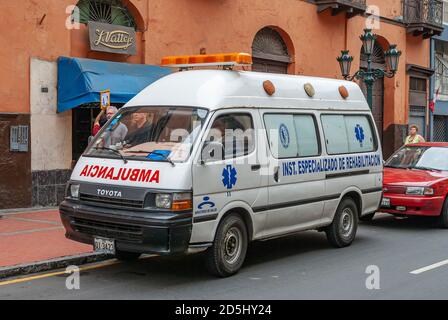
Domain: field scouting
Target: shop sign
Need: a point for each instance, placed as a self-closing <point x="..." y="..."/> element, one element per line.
<point x="112" y="38"/>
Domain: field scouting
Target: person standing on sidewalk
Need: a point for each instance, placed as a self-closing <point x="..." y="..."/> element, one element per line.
<point x="100" y="121"/>
<point x="413" y="136"/>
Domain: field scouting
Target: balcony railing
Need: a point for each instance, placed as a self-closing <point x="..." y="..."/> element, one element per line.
<point x="423" y="17"/>
<point x="351" y="7"/>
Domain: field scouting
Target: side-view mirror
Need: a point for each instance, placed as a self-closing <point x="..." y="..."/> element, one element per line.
<point x="212" y="151"/>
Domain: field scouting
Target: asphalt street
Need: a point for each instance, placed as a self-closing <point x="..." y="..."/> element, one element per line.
<point x="302" y="266"/>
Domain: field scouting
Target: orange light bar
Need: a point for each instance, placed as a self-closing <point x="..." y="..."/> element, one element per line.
<point x="223" y="59"/>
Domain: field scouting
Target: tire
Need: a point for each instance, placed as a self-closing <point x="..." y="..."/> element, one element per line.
<point x="226" y="256"/>
<point x="342" y="231"/>
<point x="443" y="218"/>
<point x="367" y="217"/>
<point x="126" y="256"/>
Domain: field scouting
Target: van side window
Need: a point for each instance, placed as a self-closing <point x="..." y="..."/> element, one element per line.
<point x="235" y="132"/>
<point x="282" y="135"/>
<point x="335" y="134"/>
<point x="306" y="135"/>
<point x="292" y="135"/>
<point x="348" y="134"/>
<point x="360" y="134"/>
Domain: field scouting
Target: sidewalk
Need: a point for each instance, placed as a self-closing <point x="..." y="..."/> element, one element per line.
<point x="34" y="237"/>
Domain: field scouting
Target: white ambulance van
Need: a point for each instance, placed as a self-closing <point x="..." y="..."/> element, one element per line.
<point x="209" y="160"/>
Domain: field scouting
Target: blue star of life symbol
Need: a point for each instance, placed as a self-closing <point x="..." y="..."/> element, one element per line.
<point x="229" y="177"/>
<point x="359" y="131"/>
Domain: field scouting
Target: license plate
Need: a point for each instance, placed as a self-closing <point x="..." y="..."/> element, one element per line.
<point x="102" y="245"/>
<point x="385" y="203"/>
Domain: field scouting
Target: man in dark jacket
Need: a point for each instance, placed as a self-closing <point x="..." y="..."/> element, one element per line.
<point x="142" y="129"/>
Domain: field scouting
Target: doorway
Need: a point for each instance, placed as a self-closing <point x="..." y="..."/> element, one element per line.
<point x="378" y="62"/>
<point x="82" y="123"/>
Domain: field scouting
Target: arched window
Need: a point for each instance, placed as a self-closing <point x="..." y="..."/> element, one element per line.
<point x="378" y="58"/>
<point x="269" y="52"/>
<point x="105" y="11"/>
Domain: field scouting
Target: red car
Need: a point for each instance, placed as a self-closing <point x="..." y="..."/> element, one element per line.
<point x="416" y="181"/>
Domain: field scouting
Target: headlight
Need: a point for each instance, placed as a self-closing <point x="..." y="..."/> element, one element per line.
<point x="163" y="201"/>
<point x="74" y="191"/>
<point x="419" y="191"/>
<point x="174" y="201"/>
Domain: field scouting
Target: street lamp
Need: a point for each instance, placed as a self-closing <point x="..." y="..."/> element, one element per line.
<point x="370" y="75"/>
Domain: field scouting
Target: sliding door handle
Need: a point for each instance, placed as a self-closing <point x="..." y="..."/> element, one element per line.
<point x="276" y="169"/>
<point x="255" y="167"/>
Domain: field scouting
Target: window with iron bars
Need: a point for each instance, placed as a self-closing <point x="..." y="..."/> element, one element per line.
<point x="441" y="67"/>
<point x="440" y="129"/>
<point x="445" y="11"/>
<point x="105" y="11"/>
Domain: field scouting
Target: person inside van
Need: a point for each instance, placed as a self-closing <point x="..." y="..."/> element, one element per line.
<point x="413" y="136"/>
<point x="117" y="131"/>
<point x="142" y="129"/>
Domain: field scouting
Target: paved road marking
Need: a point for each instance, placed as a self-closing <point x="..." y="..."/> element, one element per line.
<point x="47" y="275"/>
<point x="52" y="274"/>
<point x="431" y="267"/>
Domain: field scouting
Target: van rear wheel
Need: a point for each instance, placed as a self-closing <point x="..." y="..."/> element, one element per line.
<point x="342" y="231"/>
<point x="226" y="256"/>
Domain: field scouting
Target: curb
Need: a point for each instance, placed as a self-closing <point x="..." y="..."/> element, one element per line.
<point x="46" y="265"/>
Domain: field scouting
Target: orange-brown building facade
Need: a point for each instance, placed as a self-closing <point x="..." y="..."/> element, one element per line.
<point x="291" y="36"/>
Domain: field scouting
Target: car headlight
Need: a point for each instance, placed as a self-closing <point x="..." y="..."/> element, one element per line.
<point x="419" y="191"/>
<point x="74" y="191"/>
<point x="163" y="201"/>
<point x="174" y="201"/>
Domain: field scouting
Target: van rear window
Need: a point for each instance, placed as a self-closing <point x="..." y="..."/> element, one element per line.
<point x="348" y="134"/>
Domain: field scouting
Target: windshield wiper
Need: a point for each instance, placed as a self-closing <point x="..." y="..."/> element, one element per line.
<point x="395" y="167"/>
<point x="114" y="151"/>
<point x="425" y="168"/>
<point x="153" y="152"/>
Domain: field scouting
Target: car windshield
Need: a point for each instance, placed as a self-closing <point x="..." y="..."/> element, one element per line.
<point x="149" y="133"/>
<point x="424" y="158"/>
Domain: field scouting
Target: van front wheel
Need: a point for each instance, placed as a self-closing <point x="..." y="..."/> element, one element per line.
<point x="342" y="231"/>
<point x="228" y="252"/>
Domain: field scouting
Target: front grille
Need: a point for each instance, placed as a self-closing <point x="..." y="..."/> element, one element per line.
<point x="138" y="204"/>
<point x="110" y="230"/>
<point x="394" y="189"/>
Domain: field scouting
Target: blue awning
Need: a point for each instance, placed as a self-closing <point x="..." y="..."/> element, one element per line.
<point x="81" y="80"/>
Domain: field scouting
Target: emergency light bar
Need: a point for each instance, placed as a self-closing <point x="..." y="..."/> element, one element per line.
<point x="203" y="60"/>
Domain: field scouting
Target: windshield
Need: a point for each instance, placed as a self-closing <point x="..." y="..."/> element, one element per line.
<point x="425" y="158"/>
<point x="149" y="133"/>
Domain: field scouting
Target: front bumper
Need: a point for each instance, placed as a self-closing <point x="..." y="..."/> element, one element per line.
<point x="134" y="231"/>
<point x="415" y="205"/>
